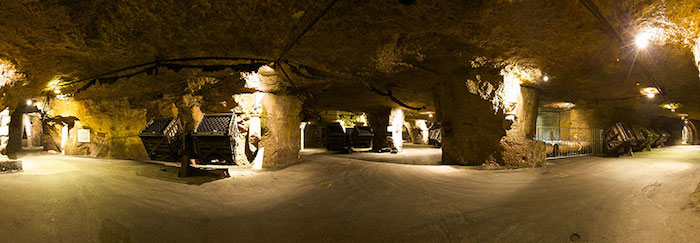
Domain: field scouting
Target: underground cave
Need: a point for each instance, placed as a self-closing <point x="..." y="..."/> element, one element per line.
<point x="329" y="120"/>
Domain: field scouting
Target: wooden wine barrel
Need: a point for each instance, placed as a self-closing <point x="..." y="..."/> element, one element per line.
<point x="551" y="147"/>
<point x="572" y="146"/>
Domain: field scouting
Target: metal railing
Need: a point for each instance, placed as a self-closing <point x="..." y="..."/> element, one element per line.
<point x="564" y="142"/>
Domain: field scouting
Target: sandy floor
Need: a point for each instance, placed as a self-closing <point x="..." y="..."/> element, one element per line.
<point x="412" y="154"/>
<point x="333" y="197"/>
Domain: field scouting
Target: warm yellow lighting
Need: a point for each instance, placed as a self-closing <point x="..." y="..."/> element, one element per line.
<point x="511" y="88"/>
<point x="8" y="73"/>
<point x="342" y="124"/>
<point x="363" y="119"/>
<point x="56" y="84"/>
<point x="546" y="78"/>
<point x="30" y="102"/>
<point x="560" y="105"/>
<point x="258" y="160"/>
<point x="649" y="92"/>
<point x="425" y="132"/>
<point x="252" y="80"/>
<point x="396" y="120"/>
<point x="64" y="138"/>
<point x="642" y="40"/>
<point x="430" y="115"/>
<point x="266" y="70"/>
<point x="302" y="126"/>
<point x="28" y="128"/>
<point x="671" y="106"/>
<point x="696" y="53"/>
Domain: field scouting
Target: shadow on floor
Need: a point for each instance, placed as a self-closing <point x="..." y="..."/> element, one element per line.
<point x="167" y="173"/>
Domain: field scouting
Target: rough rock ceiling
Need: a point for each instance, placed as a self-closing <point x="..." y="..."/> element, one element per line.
<point x="389" y="44"/>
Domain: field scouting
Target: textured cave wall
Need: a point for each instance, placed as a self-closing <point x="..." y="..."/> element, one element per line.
<point x="281" y="136"/>
<point x="673" y="126"/>
<point x="14" y="143"/>
<point x="603" y="117"/>
<point x="408" y="46"/>
<point x="519" y="147"/>
<point x="413" y="131"/>
<point x="247" y="144"/>
<point x="37" y="130"/>
<point x="474" y="125"/>
<point x="396" y="120"/>
<point x="379" y="120"/>
<point x="691" y="123"/>
<point x="525" y="123"/>
<point x="114" y="127"/>
<point x="471" y="128"/>
<point x="312" y="136"/>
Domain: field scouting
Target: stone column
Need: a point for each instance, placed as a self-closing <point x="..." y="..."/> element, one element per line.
<point x="379" y="120"/>
<point x="524" y="125"/>
<point x="280" y="119"/>
<point x="412" y="131"/>
<point x="37" y="130"/>
<point x="396" y="119"/>
<point x="519" y="146"/>
<point x="189" y="114"/>
<point x="471" y="127"/>
<point x="14" y="143"/>
<point x="422" y="128"/>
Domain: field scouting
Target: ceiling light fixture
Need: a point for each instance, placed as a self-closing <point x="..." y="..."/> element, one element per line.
<point x="649" y="92"/>
<point x="671" y="106"/>
<point x="642" y="40"/>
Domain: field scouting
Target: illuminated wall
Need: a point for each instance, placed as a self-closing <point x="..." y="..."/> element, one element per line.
<point x="696" y="53"/>
<point x="396" y="121"/>
<point x="113" y="126"/>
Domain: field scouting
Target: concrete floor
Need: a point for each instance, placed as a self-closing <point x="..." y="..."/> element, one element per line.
<point x="337" y="198"/>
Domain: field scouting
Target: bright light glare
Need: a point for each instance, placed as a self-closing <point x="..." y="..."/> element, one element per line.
<point x="252" y="80"/>
<point x="642" y="40"/>
<point x="29" y="102"/>
<point x="649" y="92"/>
<point x="546" y="78"/>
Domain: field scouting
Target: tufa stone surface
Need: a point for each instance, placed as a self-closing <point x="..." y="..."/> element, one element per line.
<point x="114" y="127"/>
<point x="379" y="120"/>
<point x="10" y="166"/>
<point x="471" y="128"/>
<point x="281" y="136"/>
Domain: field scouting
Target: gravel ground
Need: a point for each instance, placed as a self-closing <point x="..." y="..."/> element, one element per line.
<point x="332" y="197"/>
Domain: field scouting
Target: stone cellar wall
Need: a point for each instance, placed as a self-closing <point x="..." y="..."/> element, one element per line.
<point x="113" y="127"/>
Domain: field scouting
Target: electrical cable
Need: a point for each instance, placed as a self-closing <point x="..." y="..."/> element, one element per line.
<point x="604" y="21"/>
<point x="303" y="32"/>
